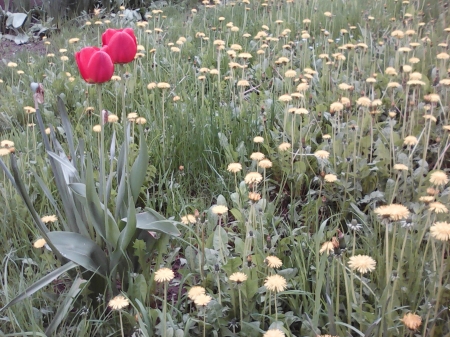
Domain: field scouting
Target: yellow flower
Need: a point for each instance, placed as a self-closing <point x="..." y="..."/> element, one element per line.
<point x="410" y="140"/>
<point x="275" y="283"/>
<point x="400" y="167"/>
<point x="39" y="243"/>
<point x="439" y="178"/>
<point x="284" y="147"/>
<point x="362" y="263"/>
<point x="164" y="275"/>
<point x="12" y="64"/>
<point x="412" y="321"/>
<point x="394" y="212"/>
<point x="219" y="209"/>
<point x="238" y="277"/>
<point x="97" y="128"/>
<point x="321" y="154"/>
<point x="265" y="164"/>
<point x="119" y="302"/>
<point x="163" y="85"/>
<point x="49" y="218"/>
<point x="202" y="300"/>
<point x="437" y="207"/>
<point x="440" y="231"/>
<point x="196" y="291"/>
<point x="140" y="120"/>
<point x="151" y="85"/>
<point x="234" y="167"/>
<point x="330" y="178"/>
<point x="29" y="109"/>
<point x="327" y="247"/>
<point x="188" y="219"/>
<point x="273" y="262"/>
<point x="257" y="156"/>
<point x="258" y="139"/>
<point x="253" y="178"/>
<point x="274" y="333"/>
<point x="112" y="118"/>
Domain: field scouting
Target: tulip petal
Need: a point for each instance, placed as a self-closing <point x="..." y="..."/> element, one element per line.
<point x="122" y="47"/>
<point x="82" y="58"/>
<point x="100" y="68"/>
<point x="108" y="34"/>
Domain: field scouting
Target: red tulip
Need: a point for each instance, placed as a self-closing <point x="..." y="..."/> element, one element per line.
<point x="94" y="64"/>
<point x="120" y="44"/>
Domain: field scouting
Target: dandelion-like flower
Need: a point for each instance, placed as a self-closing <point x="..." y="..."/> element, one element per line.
<point x="275" y="283"/>
<point x="202" y="300"/>
<point x="327" y="247"/>
<point x="437" y="207"/>
<point x="196" y="291"/>
<point x="440" y="231"/>
<point x="362" y="263"/>
<point x="330" y="178"/>
<point x="253" y="178"/>
<point x="412" y="321"/>
<point x="258" y="139"/>
<point x="39" y="243"/>
<point x="257" y="156"/>
<point x="400" y="167"/>
<point x="234" y="167"/>
<point x="49" y="218"/>
<point x="273" y="262"/>
<point x="119" y="302"/>
<point x="438" y="178"/>
<point x="322" y="154"/>
<point x="219" y="209"/>
<point x="284" y="147"/>
<point x="164" y="275"/>
<point x="394" y="212"/>
<point x="238" y="277"/>
<point x="188" y="219"/>
<point x="265" y="164"/>
<point x="410" y="140"/>
<point x="274" y="333"/>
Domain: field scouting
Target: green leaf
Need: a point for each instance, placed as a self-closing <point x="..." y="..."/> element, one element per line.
<point x="41" y="284"/>
<point x="232" y="265"/>
<point x="81" y="250"/>
<point x="98" y="210"/>
<point x="220" y="240"/>
<point x="154" y="222"/>
<point x="66" y="305"/>
<point x="139" y="168"/>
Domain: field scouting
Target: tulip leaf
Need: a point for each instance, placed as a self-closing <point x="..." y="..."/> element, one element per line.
<point x="155" y="222"/>
<point x="66" y="305"/>
<point x="41" y="283"/>
<point x="81" y="250"/>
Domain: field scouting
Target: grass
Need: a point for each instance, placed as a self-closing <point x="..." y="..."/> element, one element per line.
<point x="333" y="153"/>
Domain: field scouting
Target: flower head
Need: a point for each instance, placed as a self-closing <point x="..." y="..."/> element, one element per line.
<point x="362" y="263"/>
<point x="253" y="178"/>
<point x="234" y="167"/>
<point x="164" y="275"/>
<point x="284" y="147"/>
<point x="321" y="154"/>
<point x="275" y="283"/>
<point x="219" y="209"/>
<point x="49" y="218"/>
<point x="39" y="243"/>
<point x="188" y="219"/>
<point x="437" y="207"/>
<point x="273" y="262"/>
<point x="327" y="247"/>
<point x="394" y="212"/>
<point x="410" y="140"/>
<point x="438" y="178"/>
<point x="94" y="64"/>
<point x="238" y="277"/>
<point x="274" y="333"/>
<point x="330" y="178"/>
<point x="412" y="321"/>
<point x="440" y="231"/>
<point x="257" y="156"/>
<point x="202" y="300"/>
<point x="195" y="291"/>
<point x="119" y="302"/>
<point x="120" y="44"/>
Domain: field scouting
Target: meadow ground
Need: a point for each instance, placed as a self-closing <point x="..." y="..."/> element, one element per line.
<point x="253" y="169"/>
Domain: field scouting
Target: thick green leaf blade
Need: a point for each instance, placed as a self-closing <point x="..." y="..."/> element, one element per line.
<point x="41" y="284"/>
<point x="66" y="305"/>
<point x="139" y="168"/>
<point x="81" y="250"/>
<point x="155" y="222"/>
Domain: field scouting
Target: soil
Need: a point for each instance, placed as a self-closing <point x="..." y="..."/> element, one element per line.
<point x="9" y="50"/>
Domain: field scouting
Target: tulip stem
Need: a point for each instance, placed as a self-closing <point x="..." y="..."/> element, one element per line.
<point x="101" y="155"/>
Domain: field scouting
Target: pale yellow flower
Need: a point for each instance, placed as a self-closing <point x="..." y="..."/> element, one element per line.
<point x="164" y="275"/>
<point x="119" y="302"/>
<point x="362" y="263"/>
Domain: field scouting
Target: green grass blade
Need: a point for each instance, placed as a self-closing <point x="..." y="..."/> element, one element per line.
<point x="40" y="284"/>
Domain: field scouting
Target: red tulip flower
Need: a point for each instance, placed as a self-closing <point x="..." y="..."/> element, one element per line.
<point x="94" y="64"/>
<point x="120" y="44"/>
